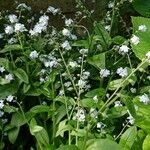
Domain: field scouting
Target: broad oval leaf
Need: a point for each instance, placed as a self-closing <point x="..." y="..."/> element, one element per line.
<point x="128" y="138"/>
<point x="103" y="144"/>
<point x="68" y="147"/>
<point x="22" y="75"/>
<point x="146" y="144"/>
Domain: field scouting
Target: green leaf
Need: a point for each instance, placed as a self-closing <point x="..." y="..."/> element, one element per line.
<point x="40" y="109"/>
<point x="61" y="112"/>
<point x="8" y="89"/>
<point x="114" y="84"/>
<point x="97" y="61"/>
<point x="102" y="35"/>
<point x="130" y="105"/>
<point x="103" y="144"/>
<point x="146" y="144"/>
<point x="95" y="92"/>
<point x="13" y="134"/>
<point x="10" y="109"/>
<point x="26" y="88"/>
<point x="128" y="138"/>
<point x="142" y="48"/>
<point x="118" y="40"/>
<point x="116" y="112"/>
<point x="8" y="48"/>
<point x="68" y="147"/>
<point x="142" y="7"/>
<point x="62" y="127"/>
<point x="88" y="102"/>
<point x="22" y="75"/>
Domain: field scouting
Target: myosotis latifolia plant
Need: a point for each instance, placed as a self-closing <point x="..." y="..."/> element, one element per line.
<point x="74" y="88"/>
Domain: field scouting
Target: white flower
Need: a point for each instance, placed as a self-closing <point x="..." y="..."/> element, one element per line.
<point x="12" y="41"/>
<point x="148" y="55"/>
<point x="73" y="37"/>
<point x="133" y="90"/>
<point x="80" y="115"/>
<point x="93" y="113"/>
<point x="1" y="113"/>
<point x="104" y="73"/>
<point x="131" y="119"/>
<point x="51" y="63"/>
<point x="1" y="104"/>
<point x="1" y="35"/>
<point x="34" y="54"/>
<point x="13" y="18"/>
<point x="66" y="45"/>
<point x="123" y="49"/>
<point x="66" y="32"/>
<point x="117" y="103"/>
<point x="2" y="69"/>
<point x="68" y="22"/>
<point x="9" y="30"/>
<point x="144" y="98"/>
<point x="135" y="40"/>
<point x="142" y="28"/>
<point x="67" y="84"/>
<point x="9" y="77"/>
<point x="85" y="75"/>
<point x="44" y="20"/>
<point x="53" y="10"/>
<point x="42" y="80"/>
<point x="81" y="84"/>
<point x="95" y="98"/>
<point x="73" y="64"/>
<point x="111" y="5"/>
<point x="10" y="98"/>
<point x="19" y="27"/>
<point x="83" y="51"/>
<point x="100" y="125"/>
<point x="148" y="77"/>
<point x="107" y="28"/>
<point x="123" y="72"/>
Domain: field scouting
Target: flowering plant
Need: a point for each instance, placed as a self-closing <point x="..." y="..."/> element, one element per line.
<point x="60" y="90"/>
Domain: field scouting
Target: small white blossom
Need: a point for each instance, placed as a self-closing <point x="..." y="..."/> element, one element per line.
<point x="44" y="20"/>
<point x="1" y="104"/>
<point x="34" y="54"/>
<point x="148" y="77"/>
<point x="148" y="55"/>
<point x="67" y="84"/>
<point x="123" y="72"/>
<point x="2" y="69"/>
<point x="135" y="40"/>
<point x="83" y="51"/>
<point x="13" y="18"/>
<point x="144" y="98"/>
<point x="80" y="115"/>
<point x="1" y="113"/>
<point x="93" y="113"/>
<point x="10" y="98"/>
<point x="100" y="125"/>
<point x="66" y="32"/>
<point x="131" y="119"/>
<point x="133" y="90"/>
<point x="1" y="35"/>
<point x="9" y="30"/>
<point x="142" y="28"/>
<point x="12" y="41"/>
<point x="111" y="5"/>
<point x="73" y="64"/>
<point x="66" y="45"/>
<point x="124" y="49"/>
<point x="107" y="28"/>
<point x="95" y="98"/>
<point x="73" y="37"/>
<point x="52" y="10"/>
<point x="42" y="80"/>
<point x="85" y="75"/>
<point x="104" y="73"/>
<point x="81" y="84"/>
<point x="19" y="27"/>
<point x="9" y="77"/>
<point x="68" y="22"/>
<point x="117" y="103"/>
